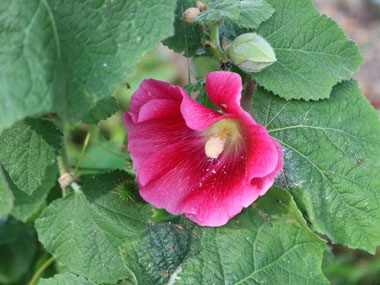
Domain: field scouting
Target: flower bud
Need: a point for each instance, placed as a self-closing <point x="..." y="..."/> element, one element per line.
<point x="251" y="52"/>
<point x="201" y="6"/>
<point x="190" y="14"/>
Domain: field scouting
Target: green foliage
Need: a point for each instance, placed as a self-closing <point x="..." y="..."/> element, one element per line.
<point x="66" y="279"/>
<point x="27" y="150"/>
<point x="6" y="198"/>
<point x="16" y="250"/>
<point x="244" y="13"/>
<point x="104" y="155"/>
<point x="25" y="205"/>
<point x="85" y="229"/>
<point x="313" y="53"/>
<point x="268" y="243"/>
<point x="65" y="56"/>
<point x="154" y="255"/>
<point x="103" y="109"/>
<point x="70" y="60"/>
<point x="332" y="159"/>
<point x="187" y="37"/>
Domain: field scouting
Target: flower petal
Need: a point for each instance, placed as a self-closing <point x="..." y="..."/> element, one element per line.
<point x="167" y="142"/>
<point x="152" y="89"/>
<point x="182" y="179"/>
<point x="150" y="137"/>
<point x="197" y="116"/>
<point x="264" y="183"/>
<point x="224" y="89"/>
<point x="158" y="109"/>
<point x="242" y="179"/>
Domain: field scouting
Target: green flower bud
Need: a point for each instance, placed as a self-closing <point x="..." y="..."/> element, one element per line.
<point x="251" y="52"/>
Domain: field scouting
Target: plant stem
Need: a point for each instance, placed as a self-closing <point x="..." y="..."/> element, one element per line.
<point x="63" y="161"/>
<point x="246" y="99"/>
<point x="37" y="275"/>
<point x="216" y="48"/>
<point x="83" y="151"/>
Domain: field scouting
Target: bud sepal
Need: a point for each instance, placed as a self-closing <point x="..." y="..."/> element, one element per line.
<point x="251" y="52"/>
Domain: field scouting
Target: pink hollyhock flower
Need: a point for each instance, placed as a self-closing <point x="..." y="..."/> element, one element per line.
<point x="193" y="160"/>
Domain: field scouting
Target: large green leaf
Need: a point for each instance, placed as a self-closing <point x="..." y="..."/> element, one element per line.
<point x="313" y="53"/>
<point x="25" y="205"/>
<point x="65" y="56"/>
<point x="244" y="13"/>
<point x="268" y="243"/>
<point x="6" y="198"/>
<point x="332" y="161"/>
<point x="17" y="248"/>
<point x="65" y="279"/>
<point x="27" y="149"/>
<point x="85" y="229"/>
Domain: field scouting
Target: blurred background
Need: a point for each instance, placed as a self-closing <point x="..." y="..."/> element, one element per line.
<point x="94" y="149"/>
<point x="360" y="19"/>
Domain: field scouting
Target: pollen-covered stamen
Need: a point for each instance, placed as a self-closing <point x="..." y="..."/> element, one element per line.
<point x="221" y="136"/>
<point x="214" y="147"/>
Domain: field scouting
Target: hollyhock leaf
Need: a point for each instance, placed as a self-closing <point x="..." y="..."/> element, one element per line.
<point x="244" y="13"/>
<point x="156" y="254"/>
<point x="103" y="109"/>
<point x="187" y="37"/>
<point x="85" y="229"/>
<point x="6" y="198"/>
<point x="332" y="161"/>
<point x="25" y="205"/>
<point x="217" y="11"/>
<point x="313" y="53"/>
<point x="268" y="243"/>
<point x="65" y="279"/>
<point x="65" y="56"/>
<point x="253" y="13"/>
<point x="27" y="150"/>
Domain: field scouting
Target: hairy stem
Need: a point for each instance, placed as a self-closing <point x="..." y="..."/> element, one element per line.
<point x="215" y="47"/>
<point x="63" y="161"/>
